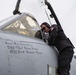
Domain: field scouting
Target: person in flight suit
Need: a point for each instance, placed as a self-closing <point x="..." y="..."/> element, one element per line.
<point x="64" y="46"/>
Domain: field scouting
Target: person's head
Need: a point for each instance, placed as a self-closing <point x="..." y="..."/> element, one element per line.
<point x="38" y="34"/>
<point x="45" y="27"/>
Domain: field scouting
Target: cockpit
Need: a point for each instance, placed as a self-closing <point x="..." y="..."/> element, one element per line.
<point x="25" y="25"/>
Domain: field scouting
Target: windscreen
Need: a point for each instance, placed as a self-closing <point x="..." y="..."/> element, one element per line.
<point x="26" y="25"/>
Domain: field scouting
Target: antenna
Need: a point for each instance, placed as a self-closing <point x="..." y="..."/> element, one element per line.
<point x="16" y="11"/>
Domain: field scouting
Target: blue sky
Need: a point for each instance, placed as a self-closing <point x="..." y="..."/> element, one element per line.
<point x="65" y="10"/>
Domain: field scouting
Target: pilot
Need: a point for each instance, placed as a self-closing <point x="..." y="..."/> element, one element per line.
<point x="64" y="46"/>
<point x="41" y="35"/>
<point x="38" y="34"/>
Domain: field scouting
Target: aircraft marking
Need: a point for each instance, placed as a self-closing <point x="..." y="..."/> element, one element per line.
<point x="20" y="47"/>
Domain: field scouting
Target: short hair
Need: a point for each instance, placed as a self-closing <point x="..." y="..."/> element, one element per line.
<point x="46" y="24"/>
<point x="38" y="34"/>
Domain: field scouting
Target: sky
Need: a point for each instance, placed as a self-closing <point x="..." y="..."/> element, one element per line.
<point x="64" y="9"/>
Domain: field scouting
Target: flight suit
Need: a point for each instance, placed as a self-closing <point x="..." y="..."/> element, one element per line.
<point x="58" y="39"/>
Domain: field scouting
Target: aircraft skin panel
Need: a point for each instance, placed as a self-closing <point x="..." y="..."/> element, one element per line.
<point x="4" y="63"/>
<point x="20" y="56"/>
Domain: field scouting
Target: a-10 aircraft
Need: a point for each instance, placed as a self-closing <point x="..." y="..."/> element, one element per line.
<point x="21" y="53"/>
